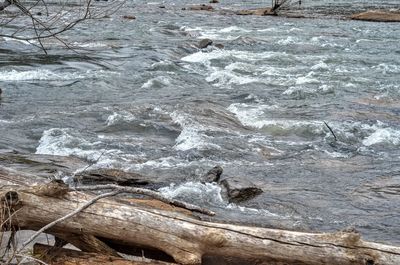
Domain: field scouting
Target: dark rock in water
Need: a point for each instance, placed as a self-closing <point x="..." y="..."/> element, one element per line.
<point x="200" y="8"/>
<point x="239" y="190"/>
<point x="1" y="92"/>
<point x="162" y="6"/>
<point x="219" y="46"/>
<point x="214" y="2"/>
<point x="112" y="176"/>
<point x="129" y="17"/>
<point x="204" y="43"/>
<point x="213" y="175"/>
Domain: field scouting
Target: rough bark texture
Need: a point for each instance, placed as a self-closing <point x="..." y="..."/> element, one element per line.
<point x="73" y="257"/>
<point x="186" y="239"/>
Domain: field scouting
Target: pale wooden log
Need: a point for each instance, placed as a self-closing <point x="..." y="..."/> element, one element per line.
<point x="187" y="239"/>
<point x="72" y="257"/>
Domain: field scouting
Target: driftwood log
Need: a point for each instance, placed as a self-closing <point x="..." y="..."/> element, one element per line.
<point x="120" y="225"/>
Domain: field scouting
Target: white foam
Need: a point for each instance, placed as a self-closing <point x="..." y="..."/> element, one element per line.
<point x="203" y="57"/>
<point x="320" y="66"/>
<point x="192" y="135"/>
<point x="117" y="117"/>
<point x="201" y="193"/>
<point x="164" y="162"/>
<point x="303" y="90"/>
<point x="288" y="40"/>
<point x="5" y="121"/>
<point x="16" y="40"/>
<point x="157" y="82"/>
<point x="234" y="29"/>
<point x="255" y="116"/>
<point x="308" y="79"/>
<point x="388" y="68"/>
<point x="65" y="142"/>
<point x="268" y="30"/>
<point x="383" y="136"/>
<point x="89" y="44"/>
<point x="225" y="77"/>
<point x="44" y="74"/>
<point x="297" y="89"/>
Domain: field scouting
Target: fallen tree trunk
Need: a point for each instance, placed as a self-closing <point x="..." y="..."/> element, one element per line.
<point x="182" y="237"/>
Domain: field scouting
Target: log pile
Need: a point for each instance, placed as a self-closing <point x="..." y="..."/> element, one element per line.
<point x="114" y="227"/>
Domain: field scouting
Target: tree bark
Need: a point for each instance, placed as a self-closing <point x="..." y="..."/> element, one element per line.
<point x="73" y="257"/>
<point x="182" y="237"/>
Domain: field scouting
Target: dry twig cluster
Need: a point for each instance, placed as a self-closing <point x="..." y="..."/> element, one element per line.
<point x="36" y="21"/>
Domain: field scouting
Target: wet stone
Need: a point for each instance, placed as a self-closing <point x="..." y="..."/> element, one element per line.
<point x="129" y="17"/>
<point x="239" y="189"/>
<point x="219" y="46"/>
<point x="213" y="175"/>
<point x="204" y="43"/>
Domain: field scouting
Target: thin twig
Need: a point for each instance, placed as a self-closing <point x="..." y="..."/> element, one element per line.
<point x="151" y="193"/>
<point x="78" y="210"/>
<point x="330" y="129"/>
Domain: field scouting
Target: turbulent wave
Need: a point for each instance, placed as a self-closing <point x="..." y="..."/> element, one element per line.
<point x="192" y="134"/>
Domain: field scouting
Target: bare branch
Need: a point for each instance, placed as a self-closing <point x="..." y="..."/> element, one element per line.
<point x="150" y="193"/>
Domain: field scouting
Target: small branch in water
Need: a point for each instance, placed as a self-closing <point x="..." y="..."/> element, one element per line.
<point x="150" y="193"/>
<point x="330" y="129"/>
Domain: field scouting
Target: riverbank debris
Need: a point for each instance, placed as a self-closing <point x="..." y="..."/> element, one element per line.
<point x="113" y="227"/>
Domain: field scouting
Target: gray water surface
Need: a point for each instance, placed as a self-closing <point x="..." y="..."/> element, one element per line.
<point x="139" y="96"/>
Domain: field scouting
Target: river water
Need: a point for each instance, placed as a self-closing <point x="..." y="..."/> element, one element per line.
<point x="139" y="96"/>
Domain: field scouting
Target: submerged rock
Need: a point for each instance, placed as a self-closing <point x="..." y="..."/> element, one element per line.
<point x="214" y="2"/>
<point x="129" y="17"/>
<point x="239" y="189"/>
<point x="204" y="43"/>
<point x="234" y="189"/>
<point x="377" y="16"/>
<point x="213" y="175"/>
<point x="1" y="92"/>
<point x="219" y="46"/>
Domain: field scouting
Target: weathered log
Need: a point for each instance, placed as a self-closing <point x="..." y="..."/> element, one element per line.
<point x="186" y="239"/>
<point x="377" y="16"/>
<point x="74" y="257"/>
